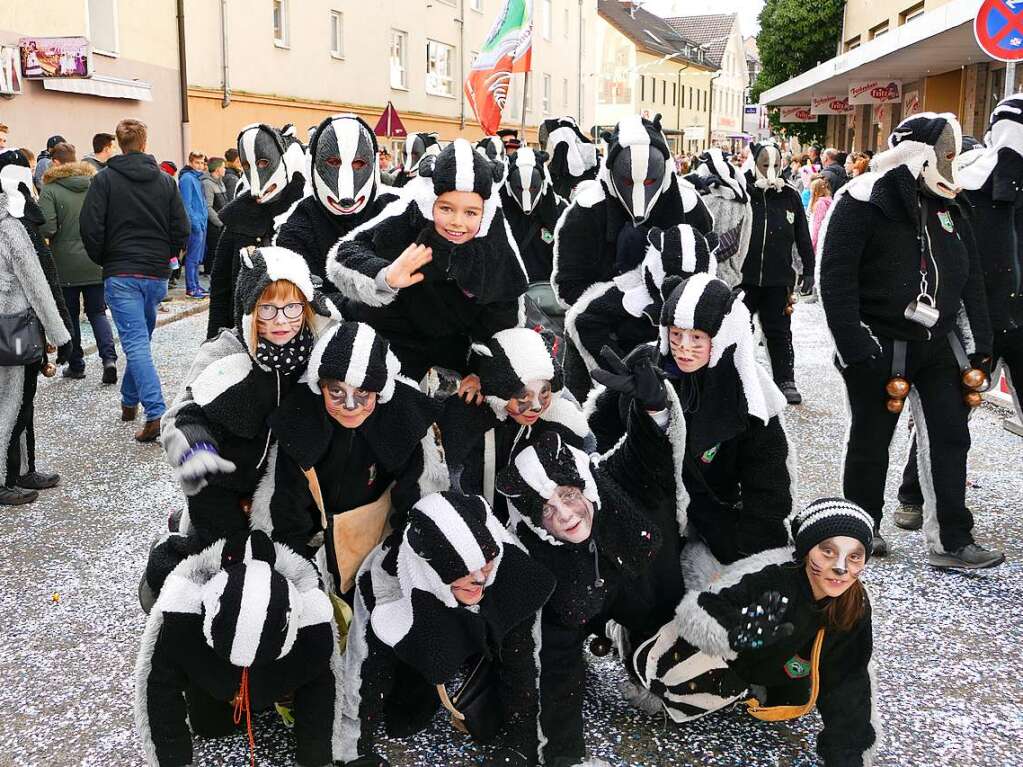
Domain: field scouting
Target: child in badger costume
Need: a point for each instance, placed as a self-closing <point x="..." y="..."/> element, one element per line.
<point x="439" y="267"/>
<point x="573" y="156"/>
<point x="532" y="208"/>
<point x="238" y="626"/>
<point x="789" y="628"/>
<point x="453" y="586"/>
<point x="418" y="146"/>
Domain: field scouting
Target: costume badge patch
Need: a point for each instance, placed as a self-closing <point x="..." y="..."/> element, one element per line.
<point x="372" y="475"/>
<point x="709" y="455"/>
<point x="790" y="216"/>
<point x="546" y="235"/>
<point x="946" y="221"/>
<point x="797" y="668"/>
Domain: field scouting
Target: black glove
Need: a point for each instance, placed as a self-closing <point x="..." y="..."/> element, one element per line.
<point x="806" y="288"/>
<point x="63" y="353"/>
<point x="506" y="757"/>
<point x="641" y="380"/>
<point x="761" y="624"/>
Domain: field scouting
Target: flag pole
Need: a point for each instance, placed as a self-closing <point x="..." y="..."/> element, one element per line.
<point x="525" y="93"/>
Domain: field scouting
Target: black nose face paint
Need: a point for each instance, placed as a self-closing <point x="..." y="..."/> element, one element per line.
<point x="344" y="167"/>
<point x="262" y="157"/>
<point x="638" y="177"/>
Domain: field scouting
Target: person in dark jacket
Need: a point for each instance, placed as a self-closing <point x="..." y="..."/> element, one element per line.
<point x="240" y="625"/>
<point x="899" y="270"/>
<point x="452" y="587"/>
<point x="132" y="223"/>
<point x="43" y="160"/>
<point x="65" y="185"/>
<point x="992" y="179"/>
<point x="573" y="156"/>
<point x="834" y="169"/>
<point x="190" y="185"/>
<point x="346" y="190"/>
<point x="418" y="146"/>
<point x="769" y="273"/>
<point x="786" y="630"/>
<point x="439" y="267"/>
<point x="532" y="208"/>
<point x="102" y="150"/>
<point x="215" y="196"/>
<point x="233" y="170"/>
<point x="723" y="430"/>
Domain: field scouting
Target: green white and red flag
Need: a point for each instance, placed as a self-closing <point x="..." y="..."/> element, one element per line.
<point x="508" y="49"/>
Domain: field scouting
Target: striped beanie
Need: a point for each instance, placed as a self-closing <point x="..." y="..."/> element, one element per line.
<point x="459" y="168"/>
<point x="703" y="302"/>
<point x="513" y="358"/>
<point x="677" y="252"/>
<point x="827" y="517"/>
<point x="354" y="353"/>
<point x="450" y="533"/>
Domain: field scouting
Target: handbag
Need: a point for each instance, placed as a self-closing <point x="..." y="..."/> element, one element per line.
<point x="476" y="709"/>
<point x="782" y="713"/>
<point x="22" y="341"/>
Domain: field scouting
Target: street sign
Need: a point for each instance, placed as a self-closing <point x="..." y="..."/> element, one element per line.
<point x="998" y="28"/>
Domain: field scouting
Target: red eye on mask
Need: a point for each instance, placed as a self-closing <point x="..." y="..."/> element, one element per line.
<point x="628" y="182"/>
<point x="358" y="164"/>
<point x="334" y="162"/>
<point x="650" y="182"/>
<point x="262" y="164"/>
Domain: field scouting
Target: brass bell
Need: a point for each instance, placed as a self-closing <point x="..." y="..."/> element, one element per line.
<point x="49" y="370"/>
<point x="897" y="387"/>
<point x="974" y="379"/>
<point x="600" y="646"/>
<point x="972" y="398"/>
<point x="50" y="349"/>
<point x="895" y="405"/>
<point x="789" y="308"/>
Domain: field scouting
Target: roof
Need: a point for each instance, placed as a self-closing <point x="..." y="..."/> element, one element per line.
<point x="711" y="30"/>
<point x="650" y="33"/>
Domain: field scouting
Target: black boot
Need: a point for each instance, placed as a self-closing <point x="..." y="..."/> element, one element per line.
<point x="109" y="372"/>
<point x="792" y="395"/>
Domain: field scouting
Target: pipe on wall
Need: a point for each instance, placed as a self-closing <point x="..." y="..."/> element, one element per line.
<point x="186" y="131"/>
<point x="226" y="100"/>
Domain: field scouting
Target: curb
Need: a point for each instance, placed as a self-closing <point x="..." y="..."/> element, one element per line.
<point x="161" y="321"/>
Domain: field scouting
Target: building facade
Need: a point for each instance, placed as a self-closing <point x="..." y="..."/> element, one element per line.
<point x="135" y="74"/>
<point x="298" y="61"/>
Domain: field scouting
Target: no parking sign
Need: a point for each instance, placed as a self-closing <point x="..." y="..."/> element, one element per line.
<point x="998" y="28"/>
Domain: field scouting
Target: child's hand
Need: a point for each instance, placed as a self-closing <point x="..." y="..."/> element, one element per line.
<point x="404" y="270"/>
<point x="469" y="390"/>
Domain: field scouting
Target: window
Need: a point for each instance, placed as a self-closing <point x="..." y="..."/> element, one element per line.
<point x="853" y="43"/>
<point x="664" y="91"/>
<point x="564" y="92"/>
<point x="399" y="59"/>
<point x="545" y="18"/>
<point x="439" y="69"/>
<point x="103" y="26"/>
<point x="674" y="94"/>
<point x="642" y="88"/>
<point x="879" y="30"/>
<point x="653" y="90"/>
<point x="546" y="94"/>
<point x="476" y="5"/>
<point x="909" y="14"/>
<point x="280" y="8"/>
<point x="337" y="39"/>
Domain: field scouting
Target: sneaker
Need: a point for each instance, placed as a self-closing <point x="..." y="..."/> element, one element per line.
<point x="878" y="546"/>
<point x="109" y="373"/>
<point x="792" y="395"/>
<point x="970" y="557"/>
<point x="75" y="373"/>
<point x="38" y="480"/>
<point x="16" y="496"/>
<point x="909" y="516"/>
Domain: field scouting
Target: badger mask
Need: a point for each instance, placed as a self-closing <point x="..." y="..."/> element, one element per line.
<point x="344" y="166"/>
<point x="527" y="178"/>
<point x="767" y="167"/>
<point x="261" y="151"/>
<point x="638" y="175"/>
<point x="491" y="147"/>
<point x="418" y="146"/>
<point x="939" y="177"/>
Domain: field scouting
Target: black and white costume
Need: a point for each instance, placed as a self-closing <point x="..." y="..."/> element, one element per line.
<point x="702" y="662"/>
<point x="626" y="311"/>
<point x="532" y="208"/>
<point x="573" y="156"/>
<point x="470" y="291"/>
<point x="613" y="574"/>
<point x="410" y="633"/>
<point x="603" y="232"/>
<point x="723" y="422"/>
<point x="418" y="146"/>
<point x="780" y="234"/>
<point x="480" y="440"/>
<point x="345" y="190"/>
<point x="896" y="237"/>
<point x="254" y="215"/>
<point x="243" y="617"/>
<point x="724" y="192"/>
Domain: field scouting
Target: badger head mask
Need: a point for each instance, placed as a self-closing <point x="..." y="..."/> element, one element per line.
<point x="491" y="147"/>
<point x="261" y="150"/>
<point x="345" y="171"/>
<point x="929" y="145"/>
<point x="527" y="178"/>
<point x="767" y="167"/>
<point x="637" y="165"/>
<point x="418" y="146"/>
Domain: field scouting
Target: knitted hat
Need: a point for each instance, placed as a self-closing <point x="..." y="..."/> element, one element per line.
<point x="491" y="147"/>
<point x="679" y="251"/>
<point x="912" y="143"/>
<point x="561" y="138"/>
<point x="418" y="146"/>
<point x="827" y="517"/>
<point x="169" y="167"/>
<point x="513" y="358"/>
<point x="354" y="353"/>
<point x="460" y="169"/>
<point x="449" y="532"/>
<point x="531" y="479"/>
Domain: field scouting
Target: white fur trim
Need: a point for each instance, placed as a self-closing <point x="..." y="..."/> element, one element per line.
<point x="284" y="264"/>
<point x="464" y="175"/>
<point x="220" y="376"/>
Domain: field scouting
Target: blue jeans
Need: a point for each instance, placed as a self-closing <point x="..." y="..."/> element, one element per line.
<point x="193" y="259"/>
<point x="96" y="311"/>
<point x="133" y="302"/>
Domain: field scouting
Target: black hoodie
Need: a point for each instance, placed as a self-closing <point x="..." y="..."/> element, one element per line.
<point x="133" y="221"/>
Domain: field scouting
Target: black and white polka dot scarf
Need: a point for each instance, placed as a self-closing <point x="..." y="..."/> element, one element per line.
<point x="289" y="357"/>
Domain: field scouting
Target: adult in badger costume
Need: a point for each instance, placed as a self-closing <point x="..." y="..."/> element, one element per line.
<point x="573" y="156"/>
<point x="532" y="209"/>
<point x="724" y="192"/>
<point x="991" y="176"/>
<point x="346" y="190"/>
<point x="418" y="146"/>
<point x="273" y="169"/>
<point x="452" y="589"/>
<point x="768" y="272"/>
<point x="899" y="272"/>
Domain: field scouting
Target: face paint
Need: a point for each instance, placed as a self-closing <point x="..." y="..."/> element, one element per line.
<point x="348" y="405"/>
<point x="568" y="515"/>
<point x="526" y="407"/>
<point x="690" y="348"/>
<point x="262" y="157"/>
<point x="939" y="179"/>
<point x="833" y="564"/>
<point x="468" y="589"/>
<point x="344" y="167"/>
<point x="526" y="182"/>
<point x="768" y="165"/>
<point x="637" y="175"/>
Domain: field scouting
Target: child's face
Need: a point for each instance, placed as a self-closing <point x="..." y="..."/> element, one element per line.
<point x="457" y="216"/>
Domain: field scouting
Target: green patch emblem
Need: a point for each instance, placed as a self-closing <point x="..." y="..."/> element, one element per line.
<point x="797" y="668"/>
<point x="547" y="235"/>
<point x="946" y="221"/>
<point x="709" y="455"/>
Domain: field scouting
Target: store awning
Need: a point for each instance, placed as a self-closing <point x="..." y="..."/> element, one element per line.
<point x="934" y="43"/>
<point x="103" y="85"/>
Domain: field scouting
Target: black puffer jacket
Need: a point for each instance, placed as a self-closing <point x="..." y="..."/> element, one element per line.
<point x="779" y="222"/>
<point x="133" y="220"/>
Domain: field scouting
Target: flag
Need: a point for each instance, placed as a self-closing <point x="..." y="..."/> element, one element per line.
<point x="390" y="123"/>
<point x="508" y="49"/>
